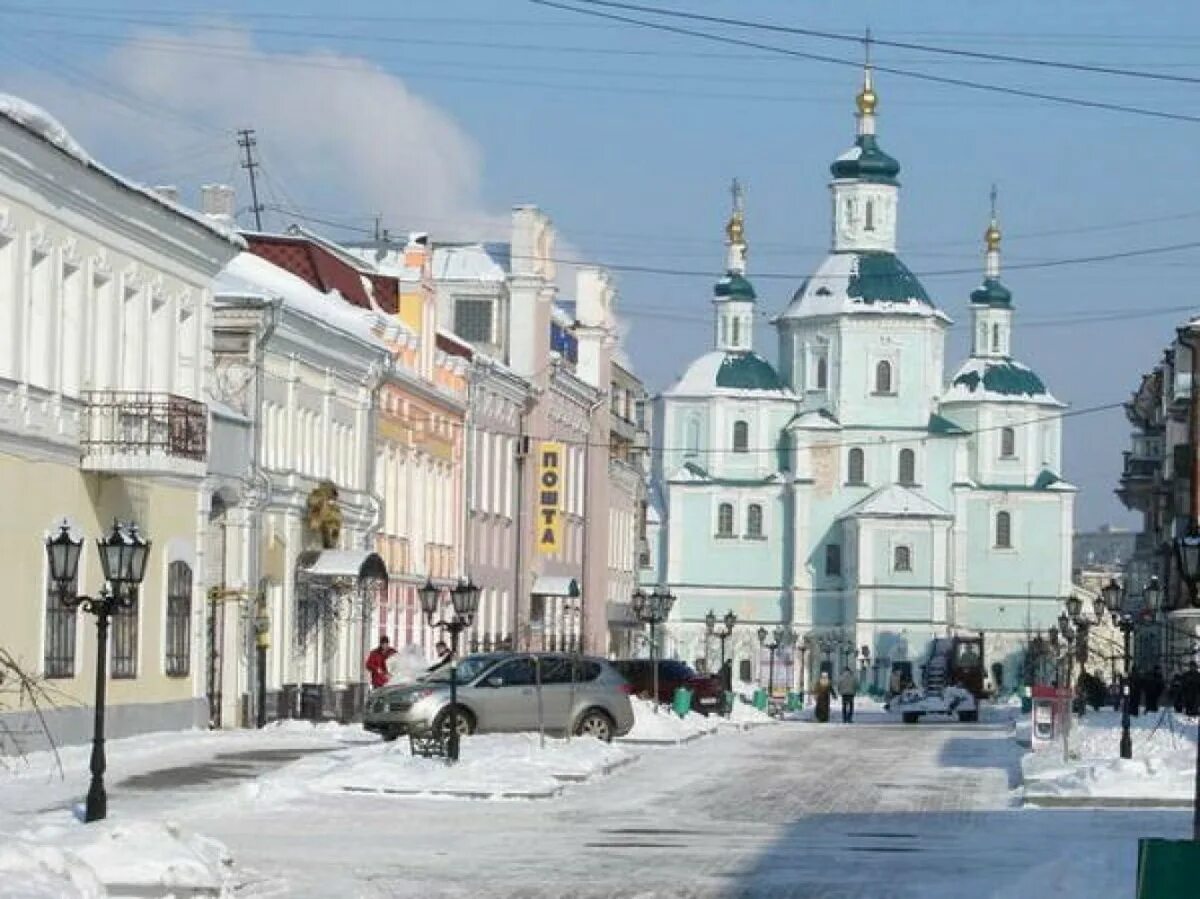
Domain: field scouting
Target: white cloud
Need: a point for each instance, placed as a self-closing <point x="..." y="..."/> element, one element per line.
<point x="338" y="134"/>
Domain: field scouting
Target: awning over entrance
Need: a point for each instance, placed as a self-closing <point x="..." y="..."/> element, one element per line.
<point x="550" y="585"/>
<point x="342" y="563"/>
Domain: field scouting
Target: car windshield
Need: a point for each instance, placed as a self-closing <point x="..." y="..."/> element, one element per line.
<point x="468" y="669"/>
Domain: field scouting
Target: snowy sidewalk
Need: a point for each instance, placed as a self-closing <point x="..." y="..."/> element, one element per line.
<point x="1160" y="774"/>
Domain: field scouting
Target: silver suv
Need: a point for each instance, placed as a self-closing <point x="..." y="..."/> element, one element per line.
<point x="498" y="692"/>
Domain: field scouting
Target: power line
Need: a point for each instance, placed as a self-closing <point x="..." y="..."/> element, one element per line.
<point x="902" y="45"/>
<point x="906" y="73"/>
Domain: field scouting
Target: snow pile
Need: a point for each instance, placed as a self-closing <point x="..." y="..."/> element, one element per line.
<point x="144" y="858"/>
<point x="34" y="871"/>
<point x="406" y="665"/>
<point x="41" y="123"/>
<point x="664" y="726"/>
<point x="745" y="713"/>
<point x="489" y="764"/>
<point x="1162" y="767"/>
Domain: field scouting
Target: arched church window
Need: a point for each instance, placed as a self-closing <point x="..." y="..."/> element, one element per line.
<point x="1003" y="530"/>
<point x="883" y="377"/>
<point x="725" y="520"/>
<point x="855" y="466"/>
<point x="736" y="339"/>
<point x="1008" y="443"/>
<point x="754" y="520"/>
<point x="908" y="466"/>
<point x="691" y="440"/>
<point x="822" y="372"/>
<point x="902" y="559"/>
<point x="741" y="437"/>
<point x="869" y="224"/>
<point x="995" y="338"/>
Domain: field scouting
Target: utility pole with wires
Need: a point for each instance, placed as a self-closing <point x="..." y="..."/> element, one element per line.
<point x="247" y="142"/>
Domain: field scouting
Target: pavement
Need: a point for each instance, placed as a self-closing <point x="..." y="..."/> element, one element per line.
<point x="804" y="810"/>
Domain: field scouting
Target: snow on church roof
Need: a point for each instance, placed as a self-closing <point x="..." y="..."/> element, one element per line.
<point x="722" y="373"/>
<point x="894" y="501"/>
<point x="37" y="121"/>
<point x="999" y="381"/>
<point x="862" y="282"/>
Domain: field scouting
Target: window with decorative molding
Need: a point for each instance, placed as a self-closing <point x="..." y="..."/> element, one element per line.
<point x="754" y="521"/>
<point x="883" y="377"/>
<point x="855" y="466"/>
<point x="125" y="639"/>
<point x="1003" y="530"/>
<point x="741" y="437"/>
<point x="1008" y="443"/>
<point x="908" y="467"/>
<point x="725" y="520"/>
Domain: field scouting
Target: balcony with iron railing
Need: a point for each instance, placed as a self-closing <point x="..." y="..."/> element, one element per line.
<point x="143" y="432"/>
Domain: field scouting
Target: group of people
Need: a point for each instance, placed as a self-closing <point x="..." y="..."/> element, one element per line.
<point x="379" y="658"/>
<point x="825" y="691"/>
<point x="1146" y="691"/>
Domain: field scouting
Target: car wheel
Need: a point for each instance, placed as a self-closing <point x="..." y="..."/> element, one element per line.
<point x="466" y="723"/>
<point x="389" y="734"/>
<point x="595" y="723"/>
<point x="911" y="717"/>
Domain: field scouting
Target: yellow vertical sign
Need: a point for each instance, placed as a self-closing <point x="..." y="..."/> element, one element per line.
<point x="549" y="497"/>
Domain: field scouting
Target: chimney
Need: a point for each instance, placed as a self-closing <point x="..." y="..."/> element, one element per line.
<point x="168" y="192"/>
<point x="216" y="202"/>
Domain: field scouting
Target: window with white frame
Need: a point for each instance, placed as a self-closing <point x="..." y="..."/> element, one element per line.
<point x="855" y="466"/>
<point x="725" y="520"/>
<point x="833" y="560"/>
<point x="741" y="437"/>
<point x="883" y="377"/>
<point x="754" y="521"/>
<point x="179" y="619"/>
<point x="58" y="652"/>
<point x="1004" y="530"/>
<point x="473" y="320"/>
<point x="908" y="467"/>
<point x="902" y="558"/>
<point x="1008" y="443"/>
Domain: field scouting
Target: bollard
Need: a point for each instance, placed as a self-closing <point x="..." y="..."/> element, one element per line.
<point x="681" y="703"/>
<point x="760" y="700"/>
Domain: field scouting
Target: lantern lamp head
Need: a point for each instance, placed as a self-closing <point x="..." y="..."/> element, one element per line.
<point x="429" y="595"/>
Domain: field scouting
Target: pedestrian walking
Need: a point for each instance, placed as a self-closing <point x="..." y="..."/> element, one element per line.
<point x="1190" y="687"/>
<point x="823" y="690"/>
<point x="847" y="686"/>
<point x="1154" y="686"/>
<point x="377" y="662"/>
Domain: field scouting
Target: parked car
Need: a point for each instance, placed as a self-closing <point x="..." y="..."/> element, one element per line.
<point x="707" y="694"/>
<point x="497" y="693"/>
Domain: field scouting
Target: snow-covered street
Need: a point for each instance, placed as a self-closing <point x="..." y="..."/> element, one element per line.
<point x="868" y="810"/>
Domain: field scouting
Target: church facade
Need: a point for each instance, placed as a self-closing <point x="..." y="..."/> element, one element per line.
<point x="852" y="490"/>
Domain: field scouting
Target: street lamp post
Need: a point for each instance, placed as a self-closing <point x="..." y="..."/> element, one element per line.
<point x="710" y="627"/>
<point x="464" y="600"/>
<point x="262" y="642"/>
<point x="123" y="555"/>
<point x="770" y="647"/>
<point x="653" y="609"/>
<point x="1112" y="595"/>
<point x="1188" y="547"/>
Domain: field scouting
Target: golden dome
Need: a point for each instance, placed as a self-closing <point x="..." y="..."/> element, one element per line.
<point x="867" y="99"/>
<point x="992" y="236"/>
<point x="735" y="230"/>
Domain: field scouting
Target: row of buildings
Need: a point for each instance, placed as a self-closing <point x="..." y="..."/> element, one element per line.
<point x="307" y="432"/>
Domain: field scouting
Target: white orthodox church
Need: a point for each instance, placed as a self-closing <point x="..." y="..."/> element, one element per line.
<point x="853" y="491"/>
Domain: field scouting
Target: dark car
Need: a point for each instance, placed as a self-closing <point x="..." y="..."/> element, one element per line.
<point x="707" y="695"/>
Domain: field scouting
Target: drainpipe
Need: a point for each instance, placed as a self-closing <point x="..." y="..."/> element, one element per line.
<point x="583" y="555"/>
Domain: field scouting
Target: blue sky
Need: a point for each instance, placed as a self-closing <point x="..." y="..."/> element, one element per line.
<point x="440" y="117"/>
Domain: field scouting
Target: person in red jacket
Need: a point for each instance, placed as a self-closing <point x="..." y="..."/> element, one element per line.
<point x="377" y="662"/>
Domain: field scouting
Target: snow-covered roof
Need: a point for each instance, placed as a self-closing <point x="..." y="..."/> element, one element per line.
<point x="894" y="501"/>
<point x="249" y="275"/>
<point x="738" y="374"/>
<point x="999" y="380"/>
<point x="37" y="121"/>
<point x="867" y="283"/>
<point x="488" y="262"/>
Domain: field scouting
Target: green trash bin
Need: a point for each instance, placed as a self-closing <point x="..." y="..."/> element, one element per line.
<point x="1026" y="700"/>
<point x="760" y="700"/>
<point x="1167" y="868"/>
<point x="681" y="703"/>
<point x="794" y="701"/>
<point x="730" y="698"/>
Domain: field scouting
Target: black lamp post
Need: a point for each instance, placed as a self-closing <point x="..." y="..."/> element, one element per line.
<point x="464" y="599"/>
<point x="123" y="555"/>
<point x="1112" y="595"/>
<point x="710" y="627"/>
<point x="1188" y="547"/>
<point x="262" y="642"/>
<point x="653" y="609"/>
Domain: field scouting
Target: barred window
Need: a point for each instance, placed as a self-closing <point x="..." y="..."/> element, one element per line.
<point x="58" y="652"/>
<point x="473" y="320"/>
<point x="754" y="520"/>
<point x="308" y="611"/>
<point x="179" y="619"/>
<point x="725" y="520"/>
<point x="1003" y="530"/>
<point x="125" y="639"/>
